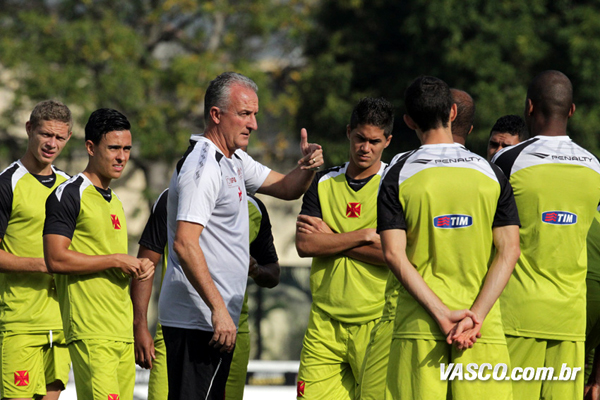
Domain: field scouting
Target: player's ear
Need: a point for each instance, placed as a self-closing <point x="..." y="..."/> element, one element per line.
<point x="410" y="123"/>
<point x="453" y="112"/>
<point x="572" y="110"/>
<point x="90" y="147"/>
<point x="28" y="128"/>
<point x="388" y="140"/>
<point x="215" y="115"/>
<point x="528" y="107"/>
<point x="348" y="130"/>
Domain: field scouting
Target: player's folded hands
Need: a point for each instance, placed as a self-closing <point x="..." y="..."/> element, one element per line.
<point x="308" y="224"/>
<point x="465" y="333"/>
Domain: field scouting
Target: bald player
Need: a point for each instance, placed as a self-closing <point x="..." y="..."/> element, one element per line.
<point x="507" y="131"/>
<point x="462" y="125"/>
<point x="543" y="305"/>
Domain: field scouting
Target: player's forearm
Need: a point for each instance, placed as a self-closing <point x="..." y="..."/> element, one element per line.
<point x="506" y="240"/>
<point x="267" y="275"/>
<point x="141" y="291"/>
<point x="414" y="283"/>
<point x="70" y="262"/>
<point x="369" y="253"/>
<point x="288" y="187"/>
<point x="194" y="266"/>
<point x="328" y="244"/>
<point x="11" y="263"/>
<point x="394" y="244"/>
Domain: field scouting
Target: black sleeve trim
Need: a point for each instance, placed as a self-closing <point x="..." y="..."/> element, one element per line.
<point x="6" y="198"/>
<point x="506" y="210"/>
<point x="184" y="157"/>
<point x="61" y="215"/>
<point x="154" y="236"/>
<point x="506" y="160"/>
<point x="262" y="248"/>
<point x="311" y="205"/>
<point x="390" y="214"/>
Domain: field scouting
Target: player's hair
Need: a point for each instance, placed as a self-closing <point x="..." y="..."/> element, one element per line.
<point x="373" y="111"/>
<point x="512" y="124"/>
<point x="50" y="110"/>
<point x="428" y="102"/>
<point x="219" y="89"/>
<point x="551" y="92"/>
<point x="465" y="112"/>
<point x="103" y="121"/>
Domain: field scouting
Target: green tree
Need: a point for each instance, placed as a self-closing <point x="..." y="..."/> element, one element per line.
<point x="490" y="49"/>
<point x="151" y="59"/>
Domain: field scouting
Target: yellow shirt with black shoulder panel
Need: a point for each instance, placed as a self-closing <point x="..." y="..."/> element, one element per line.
<point x="447" y="199"/>
<point x="346" y="289"/>
<point x="28" y="301"/>
<point x="255" y="216"/>
<point x="557" y="189"/>
<point x="96" y="305"/>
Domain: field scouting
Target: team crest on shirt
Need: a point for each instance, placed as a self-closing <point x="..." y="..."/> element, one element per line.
<point x="113" y="397"/>
<point x="353" y="210"/>
<point x="115" y="221"/>
<point x="559" y="218"/>
<point x="452" y="221"/>
<point x="22" y="378"/>
<point x="300" y="389"/>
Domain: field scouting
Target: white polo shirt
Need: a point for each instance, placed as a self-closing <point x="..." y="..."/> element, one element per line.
<point x="209" y="189"/>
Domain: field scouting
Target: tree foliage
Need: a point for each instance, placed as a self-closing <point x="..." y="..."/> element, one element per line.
<point x="151" y="59"/>
<point x="490" y="49"/>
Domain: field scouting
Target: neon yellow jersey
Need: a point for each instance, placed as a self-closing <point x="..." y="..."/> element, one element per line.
<point x="392" y="286"/>
<point x="93" y="306"/>
<point x="557" y="188"/>
<point x="447" y="199"/>
<point x="28" y="301"/>
<point x="593" y="249"/>
<point x="346" y="289"/>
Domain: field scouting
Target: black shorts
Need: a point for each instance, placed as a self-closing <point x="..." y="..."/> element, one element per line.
<point x="196" y="370"/>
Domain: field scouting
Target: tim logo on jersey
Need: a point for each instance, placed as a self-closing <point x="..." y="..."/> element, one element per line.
<point x="452" y="221"/>
<point x="559" y="218"/>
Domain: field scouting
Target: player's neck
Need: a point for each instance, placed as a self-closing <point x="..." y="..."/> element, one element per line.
<point x="436" y="136"/>
<point x="96" y="179"/>
<point x="459" y="139"/>
<point x="34" y="166"/>
<point x="219" y="141"/>
<point x="355" y="172"/>
<point x="548" y="127"/>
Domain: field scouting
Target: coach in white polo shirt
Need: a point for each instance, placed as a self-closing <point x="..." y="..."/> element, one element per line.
<point x="205" y="281"/>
